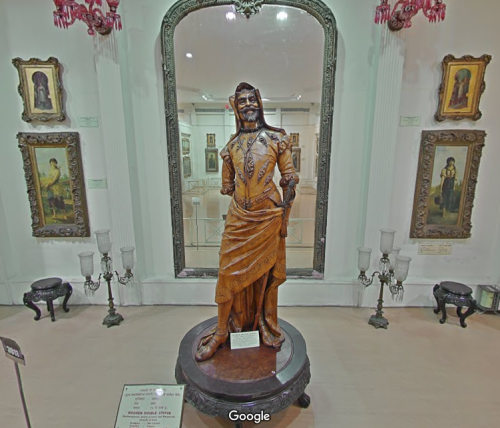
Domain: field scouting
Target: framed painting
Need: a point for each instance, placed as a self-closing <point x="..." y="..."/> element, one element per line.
<point x="296" y="158"/>
<point x="446" y="183"/>
<point x="461" y="87"/>
<point x="185" y="144"/>
<point x="211" y="160"/>
<point x="186" y="166"/>
<point x="40" y="88"/>
<point x="56" y="187"/>
<point x="210" y="140"/>
<point x="294" y="139"/>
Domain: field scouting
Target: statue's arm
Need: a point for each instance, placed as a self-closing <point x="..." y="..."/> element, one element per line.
<point x="227" y="173"/>
<point x="285" y="164"/>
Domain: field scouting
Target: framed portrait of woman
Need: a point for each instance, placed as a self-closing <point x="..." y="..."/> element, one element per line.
<point x="56" y="187"/>
<point x="446" y="184"/>
<point x="461" y="88"/>
<point x="41" y="89"/>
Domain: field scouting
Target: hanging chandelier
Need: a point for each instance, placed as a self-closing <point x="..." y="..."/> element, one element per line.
<point x="68" y="11"/>
<point x="404" y="10"/>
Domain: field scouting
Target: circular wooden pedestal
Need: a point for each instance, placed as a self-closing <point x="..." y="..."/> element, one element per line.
<point x="251" y="380"/>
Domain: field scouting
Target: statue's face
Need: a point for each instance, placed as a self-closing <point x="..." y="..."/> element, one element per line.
<point x="248" y="106"/>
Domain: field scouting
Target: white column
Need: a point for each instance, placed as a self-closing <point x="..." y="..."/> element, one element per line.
<point x="385" y="127"/>
<point x="117" y="165"/>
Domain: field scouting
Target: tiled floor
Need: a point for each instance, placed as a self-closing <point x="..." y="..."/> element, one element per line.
<point x="418" y="373"/>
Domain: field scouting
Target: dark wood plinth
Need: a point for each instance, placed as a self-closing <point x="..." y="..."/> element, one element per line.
<point x="456" y="294"/>
<point x="246" y="380"/>
<point x="48" y="290"/>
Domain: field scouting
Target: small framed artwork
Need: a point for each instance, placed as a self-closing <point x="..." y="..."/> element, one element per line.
<point x="294" y="139"/>
<point x="56" y="187"/>
<point x="446" y="183"/>
<point x="461" y="87"/>
<point x="185" y="144"/>
<point x="212" y="160"/>
<point x="41" y="89"/>
<point x="317" y="143"/>
<point x="186" y="166"/>
<point x="210" y="140"/>
<point x="296" y="158"/>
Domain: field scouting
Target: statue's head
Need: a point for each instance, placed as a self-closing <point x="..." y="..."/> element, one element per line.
<point x="247" y="103"/>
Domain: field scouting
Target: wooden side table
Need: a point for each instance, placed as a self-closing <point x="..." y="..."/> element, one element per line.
<point x="456" y="294"/>
<point x="48" y="290"/>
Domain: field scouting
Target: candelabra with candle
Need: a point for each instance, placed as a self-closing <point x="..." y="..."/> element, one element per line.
<point x="87" y="269"/>
<point x="393" y="271"/>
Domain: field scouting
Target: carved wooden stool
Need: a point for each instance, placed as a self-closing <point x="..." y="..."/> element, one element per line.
<point x="47" y="290"/>
<point x="248" y="381"/>
<point x="456" y="294"/>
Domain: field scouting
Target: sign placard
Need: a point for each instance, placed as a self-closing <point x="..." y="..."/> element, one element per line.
<point x="101" y="183"/>
<point x="151" y="406"/>
<point x="88" y="122"/>
<point x="434" y="249"/>
<point x="13" y="351"/>
<point x="248" y="339"/>
<point x="409" y="121"/>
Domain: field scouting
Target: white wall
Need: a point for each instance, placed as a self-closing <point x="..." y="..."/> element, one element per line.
<point x="473" y="261"/>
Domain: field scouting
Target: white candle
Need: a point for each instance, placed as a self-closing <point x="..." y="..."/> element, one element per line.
<point x="87" y="263"/>
<point x="386" y="240"/>
<point x="364" y="255"/>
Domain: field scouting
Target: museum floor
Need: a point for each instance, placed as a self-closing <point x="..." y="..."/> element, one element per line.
<point x="418" y="373"/>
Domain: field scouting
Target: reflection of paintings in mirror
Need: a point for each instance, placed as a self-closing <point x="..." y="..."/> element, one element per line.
<point x="317" y="143"/>
<point x="40" y="88"/>
<point x="294" y="139"/>
<point x="461" y="88"/>
<point x="316" y="166"/>
<point x="186" y="145"/>
<point x="186" y="166"/>
<point x="212" y="160"/>
<point x="442" y="206"/>
<point x="55" y="184"/>
<point x="296" y="158"/>
<point x="210" y="140"/>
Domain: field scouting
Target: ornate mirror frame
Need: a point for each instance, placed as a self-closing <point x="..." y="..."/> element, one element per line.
<point x="325" y="17"/>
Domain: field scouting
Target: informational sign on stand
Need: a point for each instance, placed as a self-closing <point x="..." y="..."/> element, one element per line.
<point x="151" y="406"/>
<point x="247" y="339"/>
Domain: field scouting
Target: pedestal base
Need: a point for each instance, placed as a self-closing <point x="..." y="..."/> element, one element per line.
<point x="113" y="318"/>
<point x="249" y="381"/>
<point x="378" y="322"/>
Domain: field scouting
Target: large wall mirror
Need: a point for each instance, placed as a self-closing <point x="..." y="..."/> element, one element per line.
<point x="287" y="50"/>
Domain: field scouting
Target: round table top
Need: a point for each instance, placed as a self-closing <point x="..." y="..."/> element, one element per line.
<point x="456" y="288"/>
<point x="46" y="283"/>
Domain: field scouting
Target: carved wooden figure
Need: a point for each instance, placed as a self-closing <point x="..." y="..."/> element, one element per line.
<point x="252" y="256"/>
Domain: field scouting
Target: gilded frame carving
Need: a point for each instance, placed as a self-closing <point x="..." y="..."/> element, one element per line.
<point x="27" y="90"/>
<point x="70" y="143"/>
<point x="324" y="15"/>
<point x="421" y="226"/>
<point x="473" y="77"/>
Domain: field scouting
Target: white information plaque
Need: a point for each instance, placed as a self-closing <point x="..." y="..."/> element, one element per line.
<point x="248" y="339"/>
<point x="101" y="183"/>
<point x="409" y="121"/>
<point x="151" y="406"/>
<point x="434" y="249"/>
<point x="88" y="122"/>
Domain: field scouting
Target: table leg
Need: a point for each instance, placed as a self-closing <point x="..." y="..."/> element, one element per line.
<point x="69" y="292"/>
<point x="438" y="309"/>
<point x="442" y="307"/>
<point x="29" y="303"/>
<point x="470" y="310"/>
<point x="304" y="401"/>
<point x="50" y="303"/>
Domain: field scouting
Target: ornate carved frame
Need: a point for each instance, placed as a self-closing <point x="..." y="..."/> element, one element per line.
<point x="325" y="17"/>
<point x="71" y="142"/>
<point x="480" y="87"/>
<point x="474" y="140"/>
<point x="27" y="115"/>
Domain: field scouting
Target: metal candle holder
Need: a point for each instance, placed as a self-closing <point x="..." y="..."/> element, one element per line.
<point x="393" y="270"/>
<point x="87" y="269"/>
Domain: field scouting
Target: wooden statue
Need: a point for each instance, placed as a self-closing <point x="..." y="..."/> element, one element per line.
<point x="252" y="256"/>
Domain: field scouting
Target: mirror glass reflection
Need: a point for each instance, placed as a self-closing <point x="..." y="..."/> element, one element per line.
<point x="279" y="51"/>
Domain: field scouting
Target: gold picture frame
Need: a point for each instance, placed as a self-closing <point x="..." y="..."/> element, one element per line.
<point x="56" y="186"/>
<point x="296" y="152"/>
<point x="211" y="160"/>
<point x="446" y="183"/>
<point x="210" y="140"/>
<point x="186" y="166"/>
<point x="461" y="87"/>
<point x="294" y="139"/>
<point x="40" y="88"/>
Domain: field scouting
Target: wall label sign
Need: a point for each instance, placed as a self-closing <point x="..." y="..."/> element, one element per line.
<point x="101" y="183"/>
<point x="151" y="406"/>
<point x="248" y="339"/>
<point x="12" y="351"/>
<point x="434" y="249"/>
<point x="88" y="122"/>
<point x="409" y="121"/>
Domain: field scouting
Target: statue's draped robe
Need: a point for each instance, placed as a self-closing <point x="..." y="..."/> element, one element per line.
<point x="252" y="251"/>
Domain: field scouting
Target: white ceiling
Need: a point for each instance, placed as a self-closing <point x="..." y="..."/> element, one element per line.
<point x="284" y="59"/>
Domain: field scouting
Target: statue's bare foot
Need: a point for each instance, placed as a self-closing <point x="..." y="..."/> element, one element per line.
<point x="267" y="337"/>
<point x="205" y="351"/>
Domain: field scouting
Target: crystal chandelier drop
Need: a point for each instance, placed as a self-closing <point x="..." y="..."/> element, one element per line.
<point x="404" y="10"/>
<point x="68" y="11"/>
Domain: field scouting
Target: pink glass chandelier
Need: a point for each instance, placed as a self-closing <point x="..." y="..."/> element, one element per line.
<point x="68" y="11"/>
<point x="404" y="10"/>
